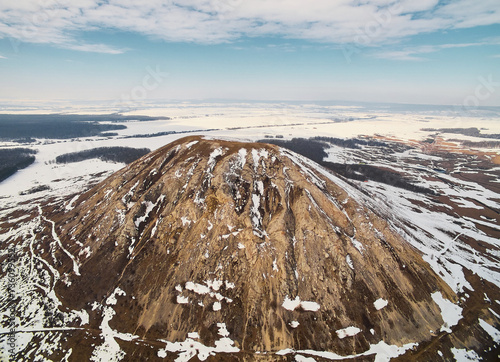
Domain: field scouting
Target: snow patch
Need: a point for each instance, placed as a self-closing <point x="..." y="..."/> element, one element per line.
<point x="222" y="330"/>
<point x="197" y="288"/>
<point x="450" y="312"/>
<point x="349" y="261"/>
<point x="310" y="306"/>
<point x="257" y="155"/>
<point x="83" y="315"/>
<point x="212" y="158"/>
<point x="211" y="288"/>
<point x="191" y="144"/>
<point x="494" y="313"/>
<point x="110" y="350"/>
<point x="347" y="332"/>
<point x="294" y="324"/>
<point x="190" y="348"/>
<point x="242" y="157"/>
<point x="260" y="187"/>
<point x="383" y="352"/>
<point x="111" y="300"/>
<point x="291" y="305"/>
<point x="463" y="355"/>
<point x="214" y="284"/>
<point x="358" y="245"/>
<point x="492" y="331"/>
<point x="380" y="304"/>
<point x="182" y="300"/>
<point x="85" y="252"/>
<point x="275" y="265"/>
<point x="70" y="206"/>
<point x="149" y="207"/>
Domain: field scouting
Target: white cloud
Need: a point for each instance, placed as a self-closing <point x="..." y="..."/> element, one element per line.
<point x="412" y="54"/>
<point x="400" y="55"/>
<point x="412" y="6"/>
<point x="368" y="22"/>
<point x="2" y="57"/>
<point x="470" y="13"/>
<point x="96" y="48"/>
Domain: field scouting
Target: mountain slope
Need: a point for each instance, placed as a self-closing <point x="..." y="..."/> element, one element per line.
<point x="239" y="246"/>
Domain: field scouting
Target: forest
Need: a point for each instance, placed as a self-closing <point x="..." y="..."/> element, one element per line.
<point x="14" y="159"/>
<point x="111" y="154"/>
<point x="17" y="127"/>
<point x="473" y="132"/>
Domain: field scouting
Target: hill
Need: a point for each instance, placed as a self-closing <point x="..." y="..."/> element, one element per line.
<point x="224" y="250"/>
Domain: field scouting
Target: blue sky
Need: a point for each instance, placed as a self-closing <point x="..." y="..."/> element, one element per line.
<point x="401" y="51"/>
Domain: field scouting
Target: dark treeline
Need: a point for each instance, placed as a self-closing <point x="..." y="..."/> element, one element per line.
<point x="112" y="154"/>
<point x="14" y="159"/>
<point x="35" y="189"/>
<point x="377" y="174"/>
<point x="315" y="150"/>
<point x="481" y="144"/>
<point x="33" y="127"/>
<point x="25" y="140"/>
<point x="473" y="132"/>
<point x="312" y="149"/>
<point x="166" y="133"/>
<point x="59" y="126"/>
<point x="78" y="117"/>
<point x="353" y="143"/>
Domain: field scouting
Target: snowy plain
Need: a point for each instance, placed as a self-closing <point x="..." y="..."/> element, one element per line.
<point x="246" y="122"/>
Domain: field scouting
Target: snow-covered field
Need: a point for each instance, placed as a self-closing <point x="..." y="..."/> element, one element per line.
<point x="238" y="121"/>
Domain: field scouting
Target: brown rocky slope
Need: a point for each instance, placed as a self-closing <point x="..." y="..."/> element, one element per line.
<point x="203" y="232"/>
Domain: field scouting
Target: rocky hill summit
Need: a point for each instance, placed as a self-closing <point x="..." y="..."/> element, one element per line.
<point x="214" y="249"/>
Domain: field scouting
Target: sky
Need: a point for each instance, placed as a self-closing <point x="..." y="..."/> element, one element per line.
<point x="124" y="51"/>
